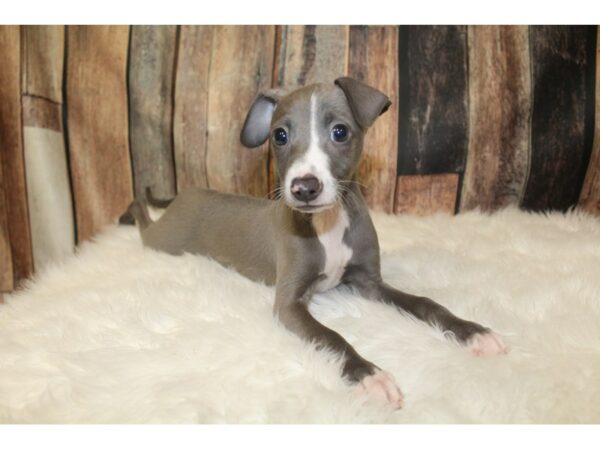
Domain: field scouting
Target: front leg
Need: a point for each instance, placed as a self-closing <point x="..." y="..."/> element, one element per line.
<point x="293" y="313"/>
<point x="479" y="339"/>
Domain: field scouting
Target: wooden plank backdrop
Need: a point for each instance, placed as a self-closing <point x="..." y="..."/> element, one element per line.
<point x="11" y="157"/>
<point x="48" y="184"/>
<point x="151" y="70"/>
<point x="482" y="117"/>
<point x="98" y="124"/>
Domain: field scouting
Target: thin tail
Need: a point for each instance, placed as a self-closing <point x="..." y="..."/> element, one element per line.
<point x="137" y="212"/>
<point x="157" y="202"/>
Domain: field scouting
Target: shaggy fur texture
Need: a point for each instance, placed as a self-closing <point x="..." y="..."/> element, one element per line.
<point x="119" y="333"/>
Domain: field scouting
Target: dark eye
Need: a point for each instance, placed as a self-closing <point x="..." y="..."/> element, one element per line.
<point x="339" y="133"/>
<point x="280" y="136"/>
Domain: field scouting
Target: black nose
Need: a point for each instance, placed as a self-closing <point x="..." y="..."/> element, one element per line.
<point x="306" y="188"/>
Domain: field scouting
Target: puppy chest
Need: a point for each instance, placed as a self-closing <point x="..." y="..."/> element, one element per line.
<point x="330" y="227"/>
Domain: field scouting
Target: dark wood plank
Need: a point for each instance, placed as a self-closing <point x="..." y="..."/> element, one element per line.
<point x="433" y="99"/>
<point x="243" y="68"/>
<point x="374" y="60"/>
<point x="98" y="128"/>
<point x="589" y="199"/>
<point x="191" y="104"/>
<point x="151" y="69"/>
<point x="43" y="59"/>
<point x="11" y="156"/>
<point x="559" y="155"/>
<point x="426" y="194"/>
<point x="499" y="117"/>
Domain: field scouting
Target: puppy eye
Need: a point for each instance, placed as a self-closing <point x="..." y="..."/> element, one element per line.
<point x="280" y="136"/>
<point x="339" y="133"/>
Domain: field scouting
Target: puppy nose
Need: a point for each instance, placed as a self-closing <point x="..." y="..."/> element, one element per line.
<point x="306" y="188"/>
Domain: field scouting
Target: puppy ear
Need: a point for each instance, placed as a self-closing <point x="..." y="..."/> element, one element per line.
<point x="258" y="121"/>
<point x="366" y="103"/>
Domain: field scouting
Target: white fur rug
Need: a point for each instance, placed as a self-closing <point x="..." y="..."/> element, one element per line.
<point x="120" y="333"/>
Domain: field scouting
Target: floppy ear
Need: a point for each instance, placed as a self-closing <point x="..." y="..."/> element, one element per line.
<point x="258" y="121"/>
<point x="366" y="103"/>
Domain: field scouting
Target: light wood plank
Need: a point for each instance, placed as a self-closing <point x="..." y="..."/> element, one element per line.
<point x="191" y="104"/>
<point x="242" y="69"/>
<point x="11" y="156"/>
<point x="426" y="194"/>
<point x="374" y="61"/>
<point x="98" y="127"/>
<point x="499" y="117"/>
<point x="43" y="61"/>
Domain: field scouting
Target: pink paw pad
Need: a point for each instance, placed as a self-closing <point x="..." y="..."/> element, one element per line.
<point x="485" y="344"/>
<point x="382" y="387"/>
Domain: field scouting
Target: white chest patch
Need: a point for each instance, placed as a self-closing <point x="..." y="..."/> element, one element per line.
<point x="330" y="226"/>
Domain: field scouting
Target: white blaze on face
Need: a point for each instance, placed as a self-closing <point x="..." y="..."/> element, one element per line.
<point x="314" y="162"/>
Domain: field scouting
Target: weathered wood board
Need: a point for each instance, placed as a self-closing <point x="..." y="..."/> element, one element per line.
<point x="48" y="185"/>
<point x="426" y="194"/>
<point x="558" y="152"/>
<point x="191" y="104"/>
<point x="434" y="97"/>
<point x="151" y="70"/>
<point x="374" y="60"/>
<point x="11" y="154"/>
<point x="6" y="271"/>
<point x="499" y="117"/>
<point x="98" y="125"/>
<point x="243" y="68"/>
<point x="589" y="199"/>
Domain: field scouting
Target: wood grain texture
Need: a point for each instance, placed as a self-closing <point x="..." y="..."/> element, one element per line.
<point x="312" y="54"/>
<point x="191" y="104"/>
<point x="499" y="117"/>
<point x="98" y="128"/>
<point x="558" y="152"/>
<point x="426" y="194"/>
<point x="589" y="199"/>
<point x="43" y="59"/>
<point x="151" y="69"/>
<point x="434" y="98"/>
<point x="11" y="155"/>
<point x="6" y="271"/>
<point x="374" y="60"/>
<point x="243" y="68"/>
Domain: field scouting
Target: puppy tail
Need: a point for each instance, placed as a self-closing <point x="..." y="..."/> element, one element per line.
<point x="157" y="202"/>
<point x="136" y="212"/>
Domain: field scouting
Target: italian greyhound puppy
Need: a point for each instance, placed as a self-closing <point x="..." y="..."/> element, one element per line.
<point x="318" y="234"/>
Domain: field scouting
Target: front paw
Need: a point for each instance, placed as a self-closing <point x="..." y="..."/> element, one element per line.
<point x="382" y="387"/>
<point x="487" y="343"/>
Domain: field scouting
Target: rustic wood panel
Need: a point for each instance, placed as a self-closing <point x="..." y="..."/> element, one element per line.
<point x="433" y="96"/>
<point x="374" y="60"/>
<point x="97" y="124"/>
<point x="312" y="54"/>
<point x="191" y="104"/>
<point x="151" y="69"/>
<point x="426" y="194"/>
<point x="499" y="117"/>
<point x="589" y="198"/>
<point x="6" y="271"/>
<point x="243" y="68"/>
<point x="11" y="156"/>
<point x="558" y="153"/>
<point x="43" y="59"/>
<point x="48" y="185"/>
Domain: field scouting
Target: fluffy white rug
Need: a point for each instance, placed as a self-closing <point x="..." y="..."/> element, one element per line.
<point x="119" y="333"/>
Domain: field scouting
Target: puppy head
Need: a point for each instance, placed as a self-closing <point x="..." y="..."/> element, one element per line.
<point x="316" y="134"/>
